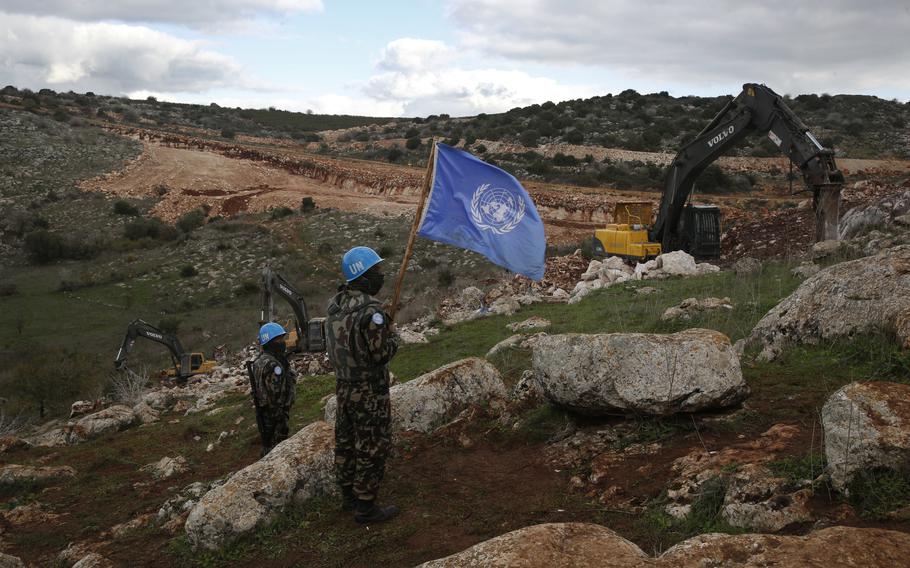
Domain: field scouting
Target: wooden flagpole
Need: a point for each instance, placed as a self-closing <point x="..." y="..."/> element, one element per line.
<point x="425" y="190"/>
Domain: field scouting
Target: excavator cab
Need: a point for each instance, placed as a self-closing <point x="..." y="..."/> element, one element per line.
<point x="627" y="236"/>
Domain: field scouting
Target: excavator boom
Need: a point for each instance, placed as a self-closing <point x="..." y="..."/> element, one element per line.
<point x="185" y="364"/>
<point x="310" y="332"/>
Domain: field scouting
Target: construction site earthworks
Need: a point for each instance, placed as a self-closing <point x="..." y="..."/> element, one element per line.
<point x="746" y="408"/>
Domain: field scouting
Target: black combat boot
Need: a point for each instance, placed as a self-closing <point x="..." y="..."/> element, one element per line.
<point x="370" y="512"/>
<point x="348" y="499"/>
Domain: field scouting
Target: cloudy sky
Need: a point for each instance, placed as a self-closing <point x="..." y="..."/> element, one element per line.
<point x="462" y="57"/>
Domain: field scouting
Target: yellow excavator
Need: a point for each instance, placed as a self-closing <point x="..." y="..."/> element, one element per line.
<point x="307" y="334"/>
<point x="185" y="364"/>
<point x="696" y="228"/>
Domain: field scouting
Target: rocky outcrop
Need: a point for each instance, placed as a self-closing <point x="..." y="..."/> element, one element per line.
<point x="112" y="419"/>
<point x="653" y="374"/>
<point x="690" y="307"/>
<point x="867" y="425"/>
<point x="10" y="474"/>
<point x="806" y="270"/>
<point x="583" y="545"/>
<point x="757" y="499"/>
<point x="10" y="443"/>
<point x="869" y="295"/>
<point x="433" y="399"/>
<point x="876" y="215"/>
<point x="296" y="470"/>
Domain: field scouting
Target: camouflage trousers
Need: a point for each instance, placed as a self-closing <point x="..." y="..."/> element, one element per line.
<point x="273" y="427"/>
<point x="363" y="436"/>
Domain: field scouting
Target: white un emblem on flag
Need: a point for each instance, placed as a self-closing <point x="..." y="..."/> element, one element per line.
<point x="496" y="209"/>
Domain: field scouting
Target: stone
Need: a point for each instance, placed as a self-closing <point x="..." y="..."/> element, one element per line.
<point x="166" y="467"/>
<point x="527" y="389"/>
<point x="12" y="473"/>
<point x="677" y="263"/>
<point x="506" y="306"/>
<point x="550" y="545"/>
<point x="693" y="306"/>
<point x="560" y="294"/>
<point x="9" y="561"/>
<point x="646" y="291"/>
<point x="34" y="512"/>
<point x="806" y="270"/>
<point x="861" y="220"/>
<point x="825" y="249"/>
<point x="295" y="471"/>
<point x="747" y="266"/>
<point x="534" y="322"/>
<point x="94" y="560"/>
<point x="410" y="337"/>
<point x="584" y="545"/>
<point x="471" y="297"/>
<point x="706" y="268"/>
<point x="83" y="407"/>
<point x="902" y="220"/>
<point x="513" y="341"/>
<point x="140" y="522"/>
<point x="10" y="443"/>
<point x="654" y="374"/>
<point x="112" y="419"/>
<point x="159" y="400"/>
<point x="866" y="425"/>
<point x="433" y="399"/>
<point x="867" y="295"/>
<point x="757" y="499"/>
<point x="592" y="272"/>
<point x="145" y="414"/>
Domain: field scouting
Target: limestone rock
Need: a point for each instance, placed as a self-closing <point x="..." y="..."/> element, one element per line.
<point x="867" y="295"/>
<point x="167" y="467"/>
<point x="653" y="374"/>
<point x="866" y="425"/>
<point x="693" y="306"/>
<point x="506" y="306"/>
<point x="94" y="560"/>
<point x="806" y="270"/>
<point x="10" y="474"/>
<point x="504" y="345"/>
<point x="83" y="407"/>
<point x="145" y="414"/>
<point x="582" y="545"/>
<point x="112" y="419"/>
<point x="409" y="337"/>
<point x="747" y="266"/>
<point x="551" y="545"/>
<point x="159" y="400"/>
<point x="757" y="499"/>
<point x="825" y="249"/>
<point x="677" y="263"/>
<point x="533" y="322"/>
<point x="9" y="443"/>
<point x="431" y="400"/>
<point x="296" y="470"/>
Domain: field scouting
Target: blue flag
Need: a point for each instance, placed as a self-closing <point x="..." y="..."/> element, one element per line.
<point x="482" y="208"/>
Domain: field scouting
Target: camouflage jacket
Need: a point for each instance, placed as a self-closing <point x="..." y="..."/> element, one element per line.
<point x="359" y="339"/>
<point x="274" y="382"/>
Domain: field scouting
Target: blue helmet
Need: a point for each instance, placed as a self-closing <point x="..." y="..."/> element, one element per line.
<point x="357" y="261"/>
<point x="269" y="332"/>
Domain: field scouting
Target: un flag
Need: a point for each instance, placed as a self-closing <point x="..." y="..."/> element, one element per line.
<point x="482" y="208"/>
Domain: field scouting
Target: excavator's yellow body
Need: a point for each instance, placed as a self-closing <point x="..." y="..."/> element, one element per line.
<point x="627" y="237"/>
<point x="199" y="365"/>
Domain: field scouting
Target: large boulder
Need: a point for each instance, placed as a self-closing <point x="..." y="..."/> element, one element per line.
<point x="677" y="263"/>
<point x="551" y="545"/>
<point x="8" y="561"/>
<point x="431" y="400"/>
<point x="112" y="419"/>
<point x="653" y="374"/>
<point x="296" y="470"/>
<point x="867" y="425"/>
<point x="869" y="295"/>
<point x="879" y="214"/>
<point x="582" y="545"/>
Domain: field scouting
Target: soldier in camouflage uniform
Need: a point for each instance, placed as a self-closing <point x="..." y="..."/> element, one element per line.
<point x="273" y="383"/>
<point x="360" y="343"/>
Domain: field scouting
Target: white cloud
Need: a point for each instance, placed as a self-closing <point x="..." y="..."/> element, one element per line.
<point x="802" y="46"/>
<point x="106" y="58"/>
<point x="189" y="12"/>
<point x="423" y="77"/>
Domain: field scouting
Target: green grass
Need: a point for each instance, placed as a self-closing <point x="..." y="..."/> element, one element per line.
<point x="796" y="469"/>
<point x="876" y="492"/>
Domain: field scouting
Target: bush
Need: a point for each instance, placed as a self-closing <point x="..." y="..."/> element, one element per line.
<point x="192" y="220"/>
<point x="228" y="133"/>
<point x="307" y="204"/>
<point x="169" y="325"/>
<point x="123" y="208"/>
<point x="149" y="228"/>
<point x="529" y="138"/>
<point x="412" y="143"/>
<point x="246" y="288"/>
<point x="412" y="133"/>
<point x="21" y="222"/>
<point x="43" y="247"/>
<point x="574" y="137"/>
<point x="394" y="155"/>
<point x="280" y="213"/>
<point x="445" y="278"/>
<point x="188" y="271"/>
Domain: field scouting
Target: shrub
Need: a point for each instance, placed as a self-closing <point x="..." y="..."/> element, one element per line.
<point x="149" y="228"/>
<point x="169" y="325"/>
<point x="529" y="138"/>
<point x="43" y="247"/>
<point x="228" y="133"/>
<point x="480" y="149"/>
<point x="561" y="159"/>
<point x="445" y="278"/>
<point x="123" y="208"/>
<point x="307" y="204"/>
<point x="188" y="271"/>
<point x="412" y="143"/>
<point x="394" y="155"/>
<point x="192" y="220"/>
<point x="246" y="288"/>
<point x="22" y="222"/>
<point x="280" y="213"/>
<point x="574" y="137"/>
<point x="412" y="133"/>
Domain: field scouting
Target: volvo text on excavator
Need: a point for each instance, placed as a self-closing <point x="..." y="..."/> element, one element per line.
<point x="185" y="364"/>
<point x="696" y="228"/>
<point x="308" y="335"/>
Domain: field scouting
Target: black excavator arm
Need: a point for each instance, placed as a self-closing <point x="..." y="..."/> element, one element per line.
<point x="756" y="109"/>
<point x="310" y="334"/>
<point x="139" y="328"/>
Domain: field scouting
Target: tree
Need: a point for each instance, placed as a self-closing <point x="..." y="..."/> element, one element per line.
<point x="412" y="143"/>
<point x="529" y="138"/>
<point x="52" y="381"/>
